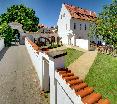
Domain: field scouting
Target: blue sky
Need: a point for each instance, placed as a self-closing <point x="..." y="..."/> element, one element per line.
<point x="48" y="10"/>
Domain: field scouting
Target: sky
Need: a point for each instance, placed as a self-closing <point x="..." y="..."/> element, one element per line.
<point x="48" y="10"/>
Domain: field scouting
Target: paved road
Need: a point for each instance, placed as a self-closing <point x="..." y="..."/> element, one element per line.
<point x="18" y="80"/>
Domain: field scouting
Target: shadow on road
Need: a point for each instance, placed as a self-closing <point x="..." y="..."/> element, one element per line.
<point x="2" y="52"/>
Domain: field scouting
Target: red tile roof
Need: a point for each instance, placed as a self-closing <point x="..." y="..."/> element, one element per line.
<point x="79" y="13"/>
<point x="86" y="93"/>
<point x="35" y="47"/>
<point x="42" y="26"/>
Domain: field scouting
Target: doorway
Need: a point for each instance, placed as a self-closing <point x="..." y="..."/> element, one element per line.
<point x="46" y="77"/>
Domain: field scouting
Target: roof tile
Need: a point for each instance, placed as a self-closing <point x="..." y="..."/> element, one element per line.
<point x="92" y="98"/>
<point x="79" y="13"/>
<point x="79" y="87"/>
<point x="85" y="92"/>
<point x="74" y="82"/>
<point x="70" y="78"/>
<point x="103" y="101"/>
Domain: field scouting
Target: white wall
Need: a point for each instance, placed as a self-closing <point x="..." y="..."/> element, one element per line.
<point x="82" y="43"/>
<point x="62" y="31"/>
<point x="73" y="41"/>
<point x="45" y="75"/>
<point x="62" y="97"/>
<point x="1" y="44"/>
<point x="83" y="34"/>
<point x="36" y="60"/>
<point x="65" y="95"/>
<point x="60" y="92"/>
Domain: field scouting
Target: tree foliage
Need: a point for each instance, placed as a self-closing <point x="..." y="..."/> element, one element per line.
<point x="106" y="24"/>
<point x="7" y="33"/>
<point x="17" y="13"/>
<point x="21" y="14"/>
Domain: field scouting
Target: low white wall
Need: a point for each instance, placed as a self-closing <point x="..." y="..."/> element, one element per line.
<point x="1" y="44"/>
<point x="60" y="92"/>
<point x="62" y="97"/>
<point x="82" y="43"/>
<point x="68" y="96"/>
<point x="36" y="59"/>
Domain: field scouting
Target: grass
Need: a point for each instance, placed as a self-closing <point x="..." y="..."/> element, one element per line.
<point x="72" y="55"/>
<point x="103" y="77"/>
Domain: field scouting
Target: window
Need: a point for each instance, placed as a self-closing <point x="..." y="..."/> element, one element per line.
<point x="80" y="26"/>
<point x="85" y="26"/>
<point x="61" y="16"/>
<point x="66" y="26"/>
<point x="74" y="25"/>
<point x="64" y="15"/>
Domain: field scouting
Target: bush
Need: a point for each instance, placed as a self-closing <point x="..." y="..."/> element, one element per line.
<point x="54" y="46"/>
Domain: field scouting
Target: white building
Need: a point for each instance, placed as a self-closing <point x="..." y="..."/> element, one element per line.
<point x="73" y="25"/>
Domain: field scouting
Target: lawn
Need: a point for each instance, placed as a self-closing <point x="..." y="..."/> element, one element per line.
<point x="103" y="77"/>
<point x="72" y="55"/>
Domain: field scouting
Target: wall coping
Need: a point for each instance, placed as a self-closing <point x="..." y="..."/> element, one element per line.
<point x="76" y="99"/>
<point x="76" y="89"/>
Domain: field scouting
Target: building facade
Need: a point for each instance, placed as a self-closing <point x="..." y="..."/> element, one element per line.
<point x="73" y="25"/>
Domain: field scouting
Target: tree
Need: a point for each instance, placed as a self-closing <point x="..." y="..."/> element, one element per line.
<point x="106" y="24"/>
<point x="7" y="33"/>
<point x="21" y="14"/>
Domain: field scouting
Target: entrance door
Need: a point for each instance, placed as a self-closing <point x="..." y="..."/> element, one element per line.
<point x="70" y="41"/>
<point x="46" y="78"/>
